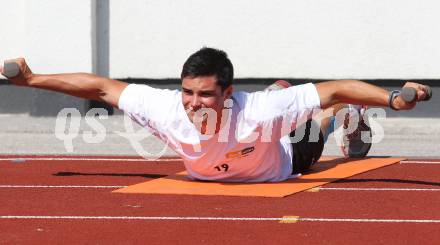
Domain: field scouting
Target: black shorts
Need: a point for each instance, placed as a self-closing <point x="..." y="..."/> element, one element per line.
<point x="306" y="153"/>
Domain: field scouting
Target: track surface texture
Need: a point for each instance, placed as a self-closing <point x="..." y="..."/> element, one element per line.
<point x="68" y="200"/>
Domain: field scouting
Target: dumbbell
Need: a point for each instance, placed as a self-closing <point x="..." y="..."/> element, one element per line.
<point x="10" y="69"/>
<point x="410" y="94"/>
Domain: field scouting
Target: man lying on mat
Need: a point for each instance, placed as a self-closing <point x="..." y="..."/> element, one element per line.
<point x="230" y="136"/>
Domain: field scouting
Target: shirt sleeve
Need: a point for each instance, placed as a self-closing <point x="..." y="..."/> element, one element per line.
<point x="146" y="105"/>
<point x="281" y="110"/>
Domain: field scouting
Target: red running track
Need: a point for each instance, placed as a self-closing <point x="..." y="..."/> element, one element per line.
<point x="58" y="201"/>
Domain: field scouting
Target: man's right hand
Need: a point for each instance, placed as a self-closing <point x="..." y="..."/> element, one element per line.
<point x="24" y="74"/>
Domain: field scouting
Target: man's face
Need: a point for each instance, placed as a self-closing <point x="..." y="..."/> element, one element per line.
<point x="203" y="92"/>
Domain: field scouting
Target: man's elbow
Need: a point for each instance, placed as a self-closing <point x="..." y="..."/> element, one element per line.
<point x="328" y="93"/>
<point x="110" y="91"/>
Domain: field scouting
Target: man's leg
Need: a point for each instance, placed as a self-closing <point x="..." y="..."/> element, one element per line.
<point x="355" y="142"/>
<point x="328" y="120"/>
<point x="279" y="84"/>
<point x="306" y="153"/>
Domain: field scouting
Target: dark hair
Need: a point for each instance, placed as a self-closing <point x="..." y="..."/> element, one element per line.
<point x="208" y="62"/>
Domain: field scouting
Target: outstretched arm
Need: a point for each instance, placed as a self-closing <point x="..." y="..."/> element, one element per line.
<point x="83" y="85"/>
<point x="361" y="93"/>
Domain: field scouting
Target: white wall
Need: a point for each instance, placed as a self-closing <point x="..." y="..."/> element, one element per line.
<point x="367" y="39"/>
<point x="53" y="35"/>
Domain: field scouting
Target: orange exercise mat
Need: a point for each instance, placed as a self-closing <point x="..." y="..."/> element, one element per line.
<point x="327" y="170"/>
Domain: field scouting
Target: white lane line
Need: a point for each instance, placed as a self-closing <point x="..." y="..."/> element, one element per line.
<point x="224" y="219"/>
<point x="372" y="220"/>
<point x="420" y="162"/>
<point x="377" y="189"/>
<point x="62" y="186"/>
<point x="91" y="159"/>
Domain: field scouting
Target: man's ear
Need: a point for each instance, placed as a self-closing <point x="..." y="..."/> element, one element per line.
<point x="227" y="93"/>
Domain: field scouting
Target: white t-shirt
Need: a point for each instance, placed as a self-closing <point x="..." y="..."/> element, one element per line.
<point x="253" y="147"/>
